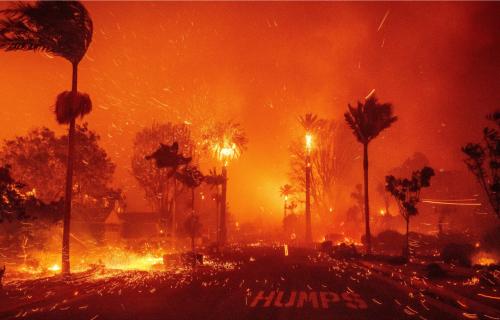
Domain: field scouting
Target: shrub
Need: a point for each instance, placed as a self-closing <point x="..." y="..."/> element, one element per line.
<point x="459" y="253"/>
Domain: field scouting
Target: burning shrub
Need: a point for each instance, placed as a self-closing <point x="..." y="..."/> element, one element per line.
<point x="459" y="253"/>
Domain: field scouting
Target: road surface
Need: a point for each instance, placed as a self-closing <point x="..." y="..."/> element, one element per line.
<point x="256" y="284"/>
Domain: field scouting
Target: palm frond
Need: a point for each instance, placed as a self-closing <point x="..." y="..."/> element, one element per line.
<point x="370" y="118"/>
<point x="69" y="106"/>
<point x="286" y="190"/>
<point x="60" y="28"/>
<point x="309" y="121"/>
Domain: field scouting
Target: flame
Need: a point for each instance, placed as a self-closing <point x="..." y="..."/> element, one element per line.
<point x="39" y="263"/>
<point x="349" y="241"/>
<point x="226" y="151"/>
<point x="484" y="259"/>
<point x="55" y="268"/>
<point x="309" y="142"/>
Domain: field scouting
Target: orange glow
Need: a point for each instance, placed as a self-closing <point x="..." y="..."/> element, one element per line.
<point x="309" y="142"/>
<point x="193" y="63"/>
<point x="484" y="259"/>
<point x="226" y="152"/>
<point x="54" y="268"/>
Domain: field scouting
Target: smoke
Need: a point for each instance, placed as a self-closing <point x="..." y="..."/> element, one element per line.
<point x="263" y="64"/>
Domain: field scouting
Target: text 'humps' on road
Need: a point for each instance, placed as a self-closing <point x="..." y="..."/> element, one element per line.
<point x="301" y="299"/>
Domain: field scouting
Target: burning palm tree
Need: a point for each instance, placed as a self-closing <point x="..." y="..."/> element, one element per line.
<point x="63" y="29"/>
<point x="215" y="180"/>
<point x="226" y="141"/>
<point x="367" y="120"/>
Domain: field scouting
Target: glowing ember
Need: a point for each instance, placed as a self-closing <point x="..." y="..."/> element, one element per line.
<point x="309" y="141"/>
<point x="55" y="268"/>
<point x="225" y="152"/>
<point x="484" y="259"/>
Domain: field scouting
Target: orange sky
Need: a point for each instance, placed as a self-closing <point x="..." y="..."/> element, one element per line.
<point x="263" y="64"/>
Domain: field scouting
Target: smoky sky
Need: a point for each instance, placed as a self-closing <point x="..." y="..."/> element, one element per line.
<point x="263" y="64"/>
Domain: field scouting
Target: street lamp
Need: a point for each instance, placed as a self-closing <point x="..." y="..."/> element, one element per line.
<point x="309" y="145"/>
<point x="285" y="190"/>
<point x="284" y="213"/>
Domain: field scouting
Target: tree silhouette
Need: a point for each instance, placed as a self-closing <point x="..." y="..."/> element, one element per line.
<point x="406" y="192"/>
<point x="63" y="29"/>
<point x="39" y="158"/>
<point x="331" y="158"/>
<point x="226" y="141"/>
<point x="483" y="160"/>
<point x="309" y="123"/>
<point x="216" y="180"/>
<point x="12" y="200"/>
<point x="367" y="120"/>
<point x="286" y="191"/>
<point x="158" y="182"/>
<point x="191" y="177"/>
<point x="169" y="157"/>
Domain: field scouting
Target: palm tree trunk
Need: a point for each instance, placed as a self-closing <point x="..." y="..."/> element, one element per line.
<point x="308" y="200"/>
<point x="284" y="210"/>
<point x="223" y="222"/>
<point x="174" y="208"/>
<point x="408" y="238"/>
<point x="192" y="227"/>
<point x="217" y="215"/>
<point x="69" y="181"/>
<point x="367" y="203"/>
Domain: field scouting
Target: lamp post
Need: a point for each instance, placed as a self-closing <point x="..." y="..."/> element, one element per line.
<point x="285" y="191"/>
<point x="284" y="207"/>
<point x="226" y="154"/>
<point x="308" y="139"/>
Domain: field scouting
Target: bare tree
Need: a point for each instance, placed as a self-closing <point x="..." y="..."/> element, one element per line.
<point x="331" y="159"/>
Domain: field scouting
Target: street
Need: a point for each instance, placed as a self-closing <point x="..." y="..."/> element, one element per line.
<point x="260" y="283"/>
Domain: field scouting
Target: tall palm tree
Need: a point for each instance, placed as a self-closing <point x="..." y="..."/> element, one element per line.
<point x="309" y="123"/>
<point x="214" y="179"/>
<point x="367" y="120"/>
<point x="285" y="191"/>
<point x="63" y="29"/>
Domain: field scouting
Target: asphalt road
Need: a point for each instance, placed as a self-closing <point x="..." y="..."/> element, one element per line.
<point x="263" y="284"/>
